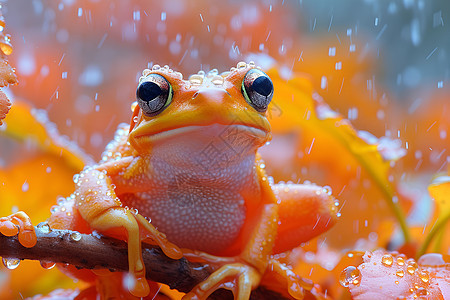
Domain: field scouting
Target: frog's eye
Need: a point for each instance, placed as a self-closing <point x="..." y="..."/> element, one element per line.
<point x="154" y="94"/>
<point x="257" y="89"/>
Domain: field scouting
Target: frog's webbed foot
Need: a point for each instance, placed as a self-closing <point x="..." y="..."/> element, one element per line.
<point x="19" y="223"/>
<point x="237" y="277"/>
<point x="156" y="237"/>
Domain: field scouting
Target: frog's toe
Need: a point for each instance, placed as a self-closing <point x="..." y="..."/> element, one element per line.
<point x="137" y="284"/>
<point x="237" y="277"/>
<point x="19" y="223"/>
<point x="297" y="286"/>
<point x="7" y="227"/>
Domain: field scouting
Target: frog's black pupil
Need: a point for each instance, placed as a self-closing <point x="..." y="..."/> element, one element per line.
<point x="263" y="86"/>
<point x="148" y="91"/>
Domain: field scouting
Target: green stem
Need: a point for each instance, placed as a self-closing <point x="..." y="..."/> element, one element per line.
<point x="439" y="225"/>
<point x="385" y="187"/>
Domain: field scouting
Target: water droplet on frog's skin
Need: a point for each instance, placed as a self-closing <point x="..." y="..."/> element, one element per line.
<point x="133" y="106"/>
<point x="217" y="80"/>
<point x="11" y="263"/>
<point x="387" y="260"/>
<point x="61" y="200"/>
<point x="348" y="275"/>
<point x="400" y="261"/>
<point x="212" y="73"/>
<point x="76" y="177"/>
<point x="54" y="209"/>
<point x="6" y="47"/>
<point x="44" y="227"/>
<point x="156" y="67"/>
<point x="47" y="265"/>
<point x="327" y="190"/>
<point x="196" y="79"/>
<point x="241" y="65"/>
<point x="75" y="236"/>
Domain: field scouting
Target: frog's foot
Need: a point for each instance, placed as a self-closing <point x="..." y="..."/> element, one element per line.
<point x="239" y="278"/>
<point x="122" y="217"/>
<point x="19" y="223"/>
<point x="158" y="238"/>
<point x="296" y="285"/>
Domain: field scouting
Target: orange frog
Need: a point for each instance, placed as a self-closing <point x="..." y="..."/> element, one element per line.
<point x="186" y="175"/>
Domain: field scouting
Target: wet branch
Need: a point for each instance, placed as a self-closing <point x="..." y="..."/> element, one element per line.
<point x="86" y="251"/>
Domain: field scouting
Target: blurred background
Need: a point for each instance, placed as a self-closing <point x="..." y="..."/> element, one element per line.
<point x="384" y="65"/>
<point x="80" y="60"/>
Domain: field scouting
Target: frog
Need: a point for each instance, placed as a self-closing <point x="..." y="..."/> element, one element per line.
<point x="186" y="175"/>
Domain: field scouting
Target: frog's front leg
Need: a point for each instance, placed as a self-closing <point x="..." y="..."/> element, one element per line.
<point x="19" y="223"/>
<point x="98" y="204"/>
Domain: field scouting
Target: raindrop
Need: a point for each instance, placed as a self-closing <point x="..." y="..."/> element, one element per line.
<point x="76" y="177"/>
<point x="47" y="265"/>
<point x="327" y="190"/>
<point x="217" y="80"/>
<point x="75" y="236"/>
<point x="25" y="187"/>
<point x="44" y="227"/>
<point x="332" y="51"/>
<point x="410" y="269"/>
<point x="241" y="65"/>
<point x="196" y="79"/>
<point x="11" y="263"/>
<point x="424" y="276"/>
<point x="400" y="273"/>
<point x="387" y="260"/>
<point x="400" y="261"/>
<point x="349" y="275"/>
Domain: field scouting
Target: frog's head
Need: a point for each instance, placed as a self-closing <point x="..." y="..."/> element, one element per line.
<point x="230" y="107"/>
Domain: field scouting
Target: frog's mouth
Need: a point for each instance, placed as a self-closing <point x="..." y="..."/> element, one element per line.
<point x="235" y="135"/>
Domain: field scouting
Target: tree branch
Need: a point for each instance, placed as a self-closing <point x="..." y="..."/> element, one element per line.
<point x="86" y="251"/>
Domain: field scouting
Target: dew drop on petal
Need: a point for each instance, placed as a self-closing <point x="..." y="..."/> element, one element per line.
<point x="387" y="260"/>
<point x="400" y="273"/>
<point x="348" y="275"/>
<point x="11" y="263"/>
<point x="424" y="276"/>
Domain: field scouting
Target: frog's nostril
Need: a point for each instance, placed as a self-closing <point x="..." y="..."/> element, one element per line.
<point x="195" y="95"/>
